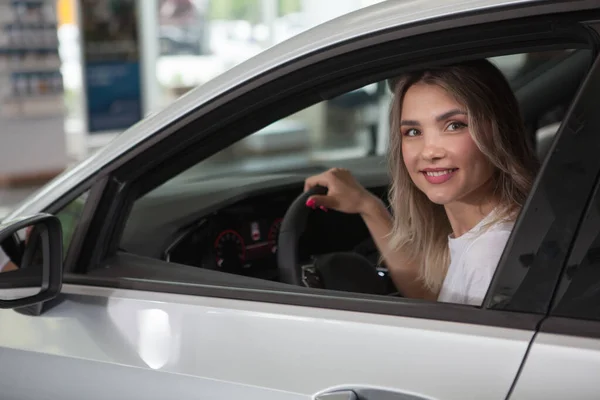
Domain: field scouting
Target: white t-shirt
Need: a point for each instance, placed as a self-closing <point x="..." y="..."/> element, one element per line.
<point x="474" y="257"/>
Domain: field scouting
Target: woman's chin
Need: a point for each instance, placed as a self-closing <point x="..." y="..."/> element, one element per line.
<point x="441" y="199"/>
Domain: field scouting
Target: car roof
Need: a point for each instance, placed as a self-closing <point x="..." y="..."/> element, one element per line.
<point x="361" y="23"/>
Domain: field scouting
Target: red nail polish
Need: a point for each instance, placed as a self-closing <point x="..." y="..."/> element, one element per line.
<point x="310" y="203"/>
<point x="323" y="208"/>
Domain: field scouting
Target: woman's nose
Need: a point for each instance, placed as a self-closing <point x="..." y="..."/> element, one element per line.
<point x="432" y="149"/>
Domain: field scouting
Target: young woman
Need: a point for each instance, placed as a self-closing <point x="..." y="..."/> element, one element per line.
<point x="461" y="168"/>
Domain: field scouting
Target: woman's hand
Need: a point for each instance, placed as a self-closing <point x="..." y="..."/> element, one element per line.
<point x="344" y="193"/>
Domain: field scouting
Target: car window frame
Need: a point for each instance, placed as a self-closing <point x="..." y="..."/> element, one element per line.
<point x="569" y="324"/>
<point x="118" y="208"/>
<point x="552" y="253"/>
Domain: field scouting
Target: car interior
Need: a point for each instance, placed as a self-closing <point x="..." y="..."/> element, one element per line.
<point x="254" y="225"/>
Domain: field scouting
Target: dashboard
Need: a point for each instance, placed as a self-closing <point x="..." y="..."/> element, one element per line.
<point x="242" y="238"/>
<point x="231" y="223"/>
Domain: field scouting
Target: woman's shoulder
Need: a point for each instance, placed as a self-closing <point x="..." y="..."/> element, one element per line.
<point x="497" y="233"/>
<point x="487" y="247"/>
<point x="502" y="227"/>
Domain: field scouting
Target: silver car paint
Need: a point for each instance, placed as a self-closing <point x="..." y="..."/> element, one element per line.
<point x="287" y="351"/>
<point x="560" y="367"/>
<point x="105" y="343"/>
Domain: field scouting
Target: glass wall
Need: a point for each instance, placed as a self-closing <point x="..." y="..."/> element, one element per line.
<point x="196" y="40"/>
<point x="193" y="41"/>
<point x="200" y="39"/>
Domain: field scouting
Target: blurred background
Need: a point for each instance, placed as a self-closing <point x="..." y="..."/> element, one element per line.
<point x="77" y="73"/>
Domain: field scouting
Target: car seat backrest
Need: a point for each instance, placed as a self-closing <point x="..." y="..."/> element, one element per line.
<point x="544" y="138"/>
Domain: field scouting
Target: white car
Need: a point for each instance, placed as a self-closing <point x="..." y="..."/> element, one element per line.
<point x="181" y="280"/>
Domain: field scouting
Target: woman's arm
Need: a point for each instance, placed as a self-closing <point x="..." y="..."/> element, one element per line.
<point x="9" y="266"/>
<point x="346" y="195"/>
<point x="404" y="273"/>
<point x="5" y="262"/>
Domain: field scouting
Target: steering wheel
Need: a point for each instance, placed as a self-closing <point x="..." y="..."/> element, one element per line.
<point x="341" y="271"/>
<point x="292" y="227"/>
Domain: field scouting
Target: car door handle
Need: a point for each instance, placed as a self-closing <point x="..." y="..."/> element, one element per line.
<point x="366" y="394"/>
<point x="343" y="395"/>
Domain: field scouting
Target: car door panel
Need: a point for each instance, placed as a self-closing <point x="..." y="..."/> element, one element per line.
<point x="560" y="367"/>
<point x="44" y="376"/>
<point x="277" y="348"/>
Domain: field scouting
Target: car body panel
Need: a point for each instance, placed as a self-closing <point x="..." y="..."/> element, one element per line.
<point x="280" y="348"/>
<point x="100" y="380"/>
<point x="414" y="16"/>
<point x="559" y="367"/>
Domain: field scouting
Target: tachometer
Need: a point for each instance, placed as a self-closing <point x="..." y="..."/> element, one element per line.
<point x="230" y="250"/>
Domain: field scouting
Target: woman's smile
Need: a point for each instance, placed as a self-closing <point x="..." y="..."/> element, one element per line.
<point x="438" y="176"/>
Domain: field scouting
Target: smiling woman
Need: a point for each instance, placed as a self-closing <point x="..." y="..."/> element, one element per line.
<point x="461" y="170"/>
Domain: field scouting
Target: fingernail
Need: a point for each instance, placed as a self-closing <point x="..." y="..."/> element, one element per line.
<point x="323" y="208"/>
<point x="310" y="203"/>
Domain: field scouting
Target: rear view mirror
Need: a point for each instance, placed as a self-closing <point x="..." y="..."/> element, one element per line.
<point x="30" y="260"/>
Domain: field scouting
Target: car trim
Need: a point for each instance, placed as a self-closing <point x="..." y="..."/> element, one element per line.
<point x="89" y="209"/>
<point x="571" y="327"/>
<point x="298" y="296"/>
<point x="540" y="248"/>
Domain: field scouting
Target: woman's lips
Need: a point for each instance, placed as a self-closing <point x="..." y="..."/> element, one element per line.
<point x="439" y="176"/>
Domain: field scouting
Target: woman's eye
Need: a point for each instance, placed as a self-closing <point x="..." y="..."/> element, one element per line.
<point x="454" y="126"/>
<point x="411" y="132"/>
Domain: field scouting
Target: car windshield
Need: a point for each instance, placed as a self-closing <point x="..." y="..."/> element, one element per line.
<point x="352" y="125"/>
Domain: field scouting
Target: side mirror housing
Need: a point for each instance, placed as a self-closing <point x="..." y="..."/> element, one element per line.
<point x="32" y="273"/>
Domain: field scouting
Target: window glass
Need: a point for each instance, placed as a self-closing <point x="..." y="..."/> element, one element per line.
<point x="542" y="245"/>
<point x="69" y="217"/>
<point x="200" y="39"/>
<point x="578" y="294"/>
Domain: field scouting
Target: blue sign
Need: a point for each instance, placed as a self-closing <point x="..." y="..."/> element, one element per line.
<point x="111" y="64"/>
<point x="113" y="95"/>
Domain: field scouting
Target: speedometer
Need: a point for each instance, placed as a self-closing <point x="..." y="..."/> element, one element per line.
<point x="230" y="250"/>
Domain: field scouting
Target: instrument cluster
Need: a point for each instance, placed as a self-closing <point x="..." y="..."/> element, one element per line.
<point x="246" y="245"/>
<point x="240" y="239"/>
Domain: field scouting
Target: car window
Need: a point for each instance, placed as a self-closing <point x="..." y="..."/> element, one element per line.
<point x="578" y="295"/>
<point x="540" y="251"/>
<point x="239" y="236"/>
<point x="354" y="124"/>
<point x="69" y="217"/>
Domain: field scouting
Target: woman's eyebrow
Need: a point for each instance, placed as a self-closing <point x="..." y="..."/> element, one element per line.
<point x="450" y="114"/>
<point x="409" y="122"/>
<point x="442" y="117"/>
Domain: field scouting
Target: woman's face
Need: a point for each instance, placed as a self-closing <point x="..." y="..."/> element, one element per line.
<point x="438" y="150"/>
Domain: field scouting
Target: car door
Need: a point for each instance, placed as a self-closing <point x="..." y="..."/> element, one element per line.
<point x="129" y="326"/>
<point x="564" y="358"/>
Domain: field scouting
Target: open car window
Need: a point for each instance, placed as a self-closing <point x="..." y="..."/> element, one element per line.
<point x="224" y="213"/>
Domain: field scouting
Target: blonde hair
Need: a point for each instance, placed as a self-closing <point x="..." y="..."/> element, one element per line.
<point x="421" y="227"/>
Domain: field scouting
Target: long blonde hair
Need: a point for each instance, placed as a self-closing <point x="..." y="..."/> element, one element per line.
<point x="421" y="227"/>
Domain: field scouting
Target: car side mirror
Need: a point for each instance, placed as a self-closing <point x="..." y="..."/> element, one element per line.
<point x="30" y="260"/>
